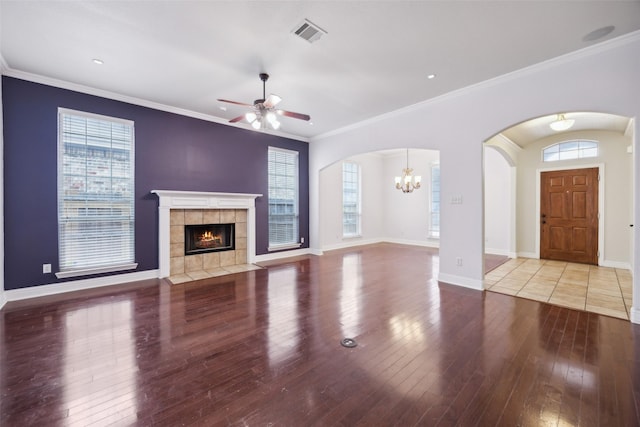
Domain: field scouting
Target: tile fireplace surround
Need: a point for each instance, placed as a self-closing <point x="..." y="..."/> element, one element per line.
<point x="179" y="208"/>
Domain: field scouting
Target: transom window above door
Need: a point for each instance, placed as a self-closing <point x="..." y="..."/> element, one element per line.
<point x="569" y="150"/>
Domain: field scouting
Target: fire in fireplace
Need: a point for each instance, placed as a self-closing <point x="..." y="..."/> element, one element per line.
<point x="199" y="239"/>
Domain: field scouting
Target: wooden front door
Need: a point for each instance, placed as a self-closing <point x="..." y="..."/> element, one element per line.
<point x="569" y="215"/>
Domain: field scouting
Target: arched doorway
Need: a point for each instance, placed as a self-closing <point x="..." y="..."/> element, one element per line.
<point x="575" y="285"/>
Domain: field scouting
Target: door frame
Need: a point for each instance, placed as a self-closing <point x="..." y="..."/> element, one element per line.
<point x="601" y="197"/>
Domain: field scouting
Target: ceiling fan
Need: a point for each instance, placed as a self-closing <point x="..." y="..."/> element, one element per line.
<point x="264" y="113"/>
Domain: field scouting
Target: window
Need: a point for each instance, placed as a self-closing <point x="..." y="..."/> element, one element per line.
<point x="570" y="150"/>
<point x="350" y="199"/>
<point x="283" y="199"/>
<point x="434" y="226"/>
<point x="95" y="194"/>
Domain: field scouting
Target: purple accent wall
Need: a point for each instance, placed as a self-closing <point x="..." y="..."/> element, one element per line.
<point x="173" y="152"/>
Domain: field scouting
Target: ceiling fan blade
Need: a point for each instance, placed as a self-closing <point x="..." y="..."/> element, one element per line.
<point x="235" y="102"/>
<point x="294" y="115"/>
<point x="272" y="101"/>
<point x="236" y="119"/>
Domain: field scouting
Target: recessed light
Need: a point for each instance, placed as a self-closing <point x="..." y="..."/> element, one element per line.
<point x="98" y="61"/>
<point x="223" y="108"/>
<point x="310" y="123"/>
<point x="431" y="76"/>
<point x="598" y="34"/>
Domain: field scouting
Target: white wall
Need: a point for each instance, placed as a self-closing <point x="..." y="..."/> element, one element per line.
<point x="601" y="78"/>
<point x="372" y="203"/>
<point x="387" y="214"/>
<point x="499" y="223"/>
<point x="616" y="201"/>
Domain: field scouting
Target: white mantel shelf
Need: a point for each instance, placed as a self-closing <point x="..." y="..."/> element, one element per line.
<point x="174" y="199"/>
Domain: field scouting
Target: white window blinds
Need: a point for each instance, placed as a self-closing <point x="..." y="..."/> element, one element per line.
<point x="95" y="193"/>
<point x="350" y="199"/>
<point x="283" y="198"/>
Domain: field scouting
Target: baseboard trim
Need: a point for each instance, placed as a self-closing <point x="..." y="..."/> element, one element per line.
<point x="528" y="255"/>
<point x="461" y="281"/>
<point x="616" y="264"/>
<point x="3" y="299"/>
<point x="281" y="255"/>
<point x="350" y="243"/>
<point x="78" y="285"/>
<point x="634" y="315"/>
<point x="423" y="243"/>
<point x="500" y="252"/>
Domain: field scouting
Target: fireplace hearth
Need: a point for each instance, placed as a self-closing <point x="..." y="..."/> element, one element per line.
<point x="204" y="238"/>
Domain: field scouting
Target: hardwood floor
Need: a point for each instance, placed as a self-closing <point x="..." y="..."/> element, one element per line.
<point x="262" y="348"/>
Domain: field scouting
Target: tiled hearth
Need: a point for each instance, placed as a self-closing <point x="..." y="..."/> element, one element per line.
<point x="179" y="208"/>
<point x="185" y="268"/>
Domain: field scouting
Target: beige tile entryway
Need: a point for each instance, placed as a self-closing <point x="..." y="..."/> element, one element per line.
<point x="585" y="287"/>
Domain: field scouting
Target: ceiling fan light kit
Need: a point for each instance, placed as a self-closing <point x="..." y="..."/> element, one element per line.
<point x="264" y="114"/>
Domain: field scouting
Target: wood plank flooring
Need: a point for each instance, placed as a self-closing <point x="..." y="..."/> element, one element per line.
<point x="262" y="348"/>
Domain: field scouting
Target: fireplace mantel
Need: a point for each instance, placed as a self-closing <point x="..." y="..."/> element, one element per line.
<point x="173" y="199"/>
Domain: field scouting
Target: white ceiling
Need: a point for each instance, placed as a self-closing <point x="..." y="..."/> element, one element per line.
<point x="375" y="57"/>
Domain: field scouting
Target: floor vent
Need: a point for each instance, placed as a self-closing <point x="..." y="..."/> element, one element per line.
<point x="308" y="31"/>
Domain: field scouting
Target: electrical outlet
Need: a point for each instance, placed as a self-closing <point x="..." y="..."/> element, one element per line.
<point x="302" y="240"/>
<point x="459" y="262"/>
<point x="46" y="268"/>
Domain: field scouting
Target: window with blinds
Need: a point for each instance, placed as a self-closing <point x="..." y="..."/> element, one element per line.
<point x="283" y="199"/>
<point x="434" y="226"/>
<point x="95" y="194"/>
<point x="350" y="199"/>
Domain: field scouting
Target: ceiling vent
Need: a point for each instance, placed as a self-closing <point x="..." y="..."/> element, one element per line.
<point x="308" y="31"/>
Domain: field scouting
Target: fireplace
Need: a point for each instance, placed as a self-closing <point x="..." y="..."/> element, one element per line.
<point x="204" y="238"/>
<point x="179" y="208"/>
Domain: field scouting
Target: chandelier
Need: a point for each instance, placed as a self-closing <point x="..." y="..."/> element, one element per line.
<point x="407" y="182"/>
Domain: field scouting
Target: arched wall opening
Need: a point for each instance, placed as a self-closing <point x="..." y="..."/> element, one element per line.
<point x="522" y="145"/>
<point x="386" y="214"/>
<point x="458" y="123"/>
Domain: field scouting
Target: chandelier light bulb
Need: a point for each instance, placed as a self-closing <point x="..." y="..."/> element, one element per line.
<point x="407" y="183"/>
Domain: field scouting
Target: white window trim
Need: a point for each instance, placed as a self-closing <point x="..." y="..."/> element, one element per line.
<point x="559" y="144"/>
<point x="290" y="245"/>
<point x="358" y="232"/>
<point x="430" y="233"/>
<point x="107" y="268"/>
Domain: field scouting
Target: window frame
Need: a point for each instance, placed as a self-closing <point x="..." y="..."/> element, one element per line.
<point x="358" y="200"/>
<point x="434" y="231"/>
<point x="68" y="225"/>
<point x="295" y="241"/>
<point x="566" y="143"/>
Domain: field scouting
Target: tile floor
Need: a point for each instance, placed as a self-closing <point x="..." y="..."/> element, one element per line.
<point x="591" y="288"/>
<point x="203" y="274"/>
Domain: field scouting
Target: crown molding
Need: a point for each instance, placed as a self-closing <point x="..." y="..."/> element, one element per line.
<point x="3" y="64"/>
<point x="50" y="81"/>
<point x="628" y="131"/>
<point x="535" y="68"/>
<point x="510" y="143"/>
